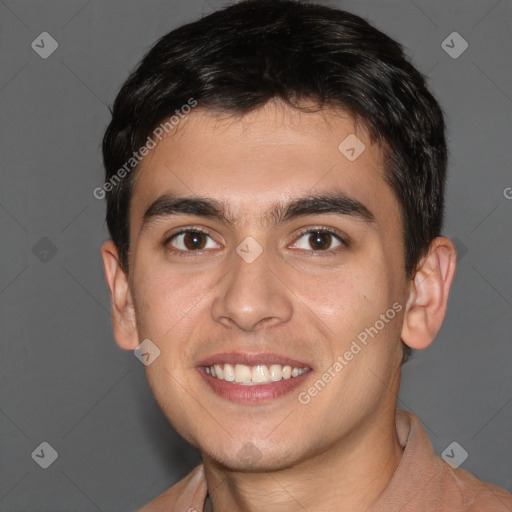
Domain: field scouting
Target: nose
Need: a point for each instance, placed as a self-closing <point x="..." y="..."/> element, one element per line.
<point x="251" y="296"/>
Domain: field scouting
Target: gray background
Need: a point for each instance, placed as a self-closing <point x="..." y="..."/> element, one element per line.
<point x="63" y="379"/>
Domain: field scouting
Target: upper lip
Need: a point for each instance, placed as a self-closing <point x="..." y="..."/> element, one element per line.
<point x="251" y="359"/>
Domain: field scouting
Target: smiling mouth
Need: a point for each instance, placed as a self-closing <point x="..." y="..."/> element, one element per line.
<point x="258" y="374"/>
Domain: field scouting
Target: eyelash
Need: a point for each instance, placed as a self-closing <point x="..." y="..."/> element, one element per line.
<point x="324" y="230"/>
<point x="318" y="229"/>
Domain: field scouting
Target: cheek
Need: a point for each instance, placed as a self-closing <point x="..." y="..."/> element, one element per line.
<point x="169" y="390"/>
<point x="164" y="300"/>
<point x="347" y="301"/>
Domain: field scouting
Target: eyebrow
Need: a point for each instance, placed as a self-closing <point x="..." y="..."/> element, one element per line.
<point x="332" y="203"/>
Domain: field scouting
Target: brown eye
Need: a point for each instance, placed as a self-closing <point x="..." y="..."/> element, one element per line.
<point x="193" y="240"/>
<point x="320" y="240"/>
<point x="190" y="240"/>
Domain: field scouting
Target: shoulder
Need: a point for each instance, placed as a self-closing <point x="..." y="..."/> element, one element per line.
<point x="425" y="481"/>
<point x="479" y="495"/>
<point x="167" y="500"/>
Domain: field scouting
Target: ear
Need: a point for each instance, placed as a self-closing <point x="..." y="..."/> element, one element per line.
<point x="123" y="312"/>
<point x="428" y="297"/>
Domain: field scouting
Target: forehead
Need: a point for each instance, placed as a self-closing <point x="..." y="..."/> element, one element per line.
<point x="269" y="155"/>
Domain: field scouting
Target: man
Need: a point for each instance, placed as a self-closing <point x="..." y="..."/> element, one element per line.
<point x="275" y="183"/>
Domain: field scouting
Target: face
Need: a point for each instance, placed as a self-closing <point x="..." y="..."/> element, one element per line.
<point x="295" y="301"/>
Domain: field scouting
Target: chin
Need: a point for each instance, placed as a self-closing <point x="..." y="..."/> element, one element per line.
<point x="249" y="458"/>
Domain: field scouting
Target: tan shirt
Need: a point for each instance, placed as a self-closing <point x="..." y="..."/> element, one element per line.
<point x="422" y="482"/>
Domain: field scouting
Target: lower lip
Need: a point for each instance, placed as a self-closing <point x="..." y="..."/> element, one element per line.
<point x="258" y="393"/>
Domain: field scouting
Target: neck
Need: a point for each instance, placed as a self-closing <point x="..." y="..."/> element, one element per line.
<point x="349" y="476"/>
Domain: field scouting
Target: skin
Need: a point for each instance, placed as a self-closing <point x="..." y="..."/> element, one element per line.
<point x="339" y="451"/>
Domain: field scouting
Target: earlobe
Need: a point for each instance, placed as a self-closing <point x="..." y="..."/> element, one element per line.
<point x="123" y="312"/>
<point x="428" y="298"/>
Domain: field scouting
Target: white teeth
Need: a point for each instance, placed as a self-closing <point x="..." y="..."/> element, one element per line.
<point x="219" y="371"/>
<point x="229" y="374"/>
<point x="251" y="375"/>
<point x="260" y="373"/>
<point x="276" y="372"/>
<point x="242" y="373"/>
